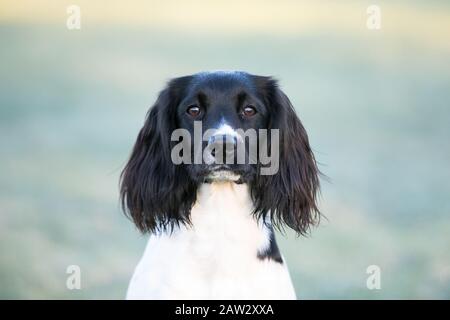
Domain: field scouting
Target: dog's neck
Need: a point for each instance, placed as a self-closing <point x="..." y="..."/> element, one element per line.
<point x="223" y="213"/>
<point x="222" y="192"/>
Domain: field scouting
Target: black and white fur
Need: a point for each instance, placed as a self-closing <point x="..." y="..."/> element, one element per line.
<point x="211" y="226"/>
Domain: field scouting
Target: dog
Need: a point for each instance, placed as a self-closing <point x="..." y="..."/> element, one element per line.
<point x="211" y="225"/>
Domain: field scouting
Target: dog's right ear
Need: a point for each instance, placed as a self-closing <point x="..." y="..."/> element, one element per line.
<point x="290" y="195"/>
<point x="155" y="193"/>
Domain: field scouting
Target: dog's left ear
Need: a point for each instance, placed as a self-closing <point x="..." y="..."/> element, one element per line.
<point x="155" y="193"/>
<point x="290" y="195"/>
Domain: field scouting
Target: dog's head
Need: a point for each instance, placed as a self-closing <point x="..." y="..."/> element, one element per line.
<point x="221" y="125"/>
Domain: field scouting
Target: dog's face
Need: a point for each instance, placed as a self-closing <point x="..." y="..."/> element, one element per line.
<point x="222" y="107"/>
<point x="213" y="113"/>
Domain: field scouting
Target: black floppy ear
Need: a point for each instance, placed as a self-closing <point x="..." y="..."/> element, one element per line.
<point x="154" y="192"/>
<point x="290" y="195"/>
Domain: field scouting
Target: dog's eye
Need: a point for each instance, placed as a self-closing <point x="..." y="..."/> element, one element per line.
<point x="193" y="111"/>
<point x="249" y="111"/>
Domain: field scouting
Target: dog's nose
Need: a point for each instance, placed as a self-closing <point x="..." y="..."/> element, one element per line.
<point x="224" y="144"/>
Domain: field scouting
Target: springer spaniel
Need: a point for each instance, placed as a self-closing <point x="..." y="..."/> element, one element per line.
<point x="211" y="223"/>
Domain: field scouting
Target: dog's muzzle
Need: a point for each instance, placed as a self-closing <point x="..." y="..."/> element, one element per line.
<point x="221" y="149"/>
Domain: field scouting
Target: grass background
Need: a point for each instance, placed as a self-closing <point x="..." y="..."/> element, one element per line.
<point x="375" y="104"/>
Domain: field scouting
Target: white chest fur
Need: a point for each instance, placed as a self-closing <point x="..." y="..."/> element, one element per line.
<point x="215" y="258"/>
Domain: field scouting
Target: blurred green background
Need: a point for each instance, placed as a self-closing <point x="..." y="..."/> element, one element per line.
<point x="375" y="104"/>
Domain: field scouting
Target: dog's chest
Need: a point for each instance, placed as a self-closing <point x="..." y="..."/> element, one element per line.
<point x="216" y="257"/>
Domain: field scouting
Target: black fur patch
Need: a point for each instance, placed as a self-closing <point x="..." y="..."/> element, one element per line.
<point x="272" y="252"/>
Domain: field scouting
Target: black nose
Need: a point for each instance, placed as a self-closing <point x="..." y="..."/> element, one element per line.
<point x="222" y="144"/>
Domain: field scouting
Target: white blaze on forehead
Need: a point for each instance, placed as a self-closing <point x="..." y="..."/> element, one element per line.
<point x="225" y="129"/>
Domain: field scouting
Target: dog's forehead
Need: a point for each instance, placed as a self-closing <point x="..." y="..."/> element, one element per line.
<point x="222" y="81"/>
